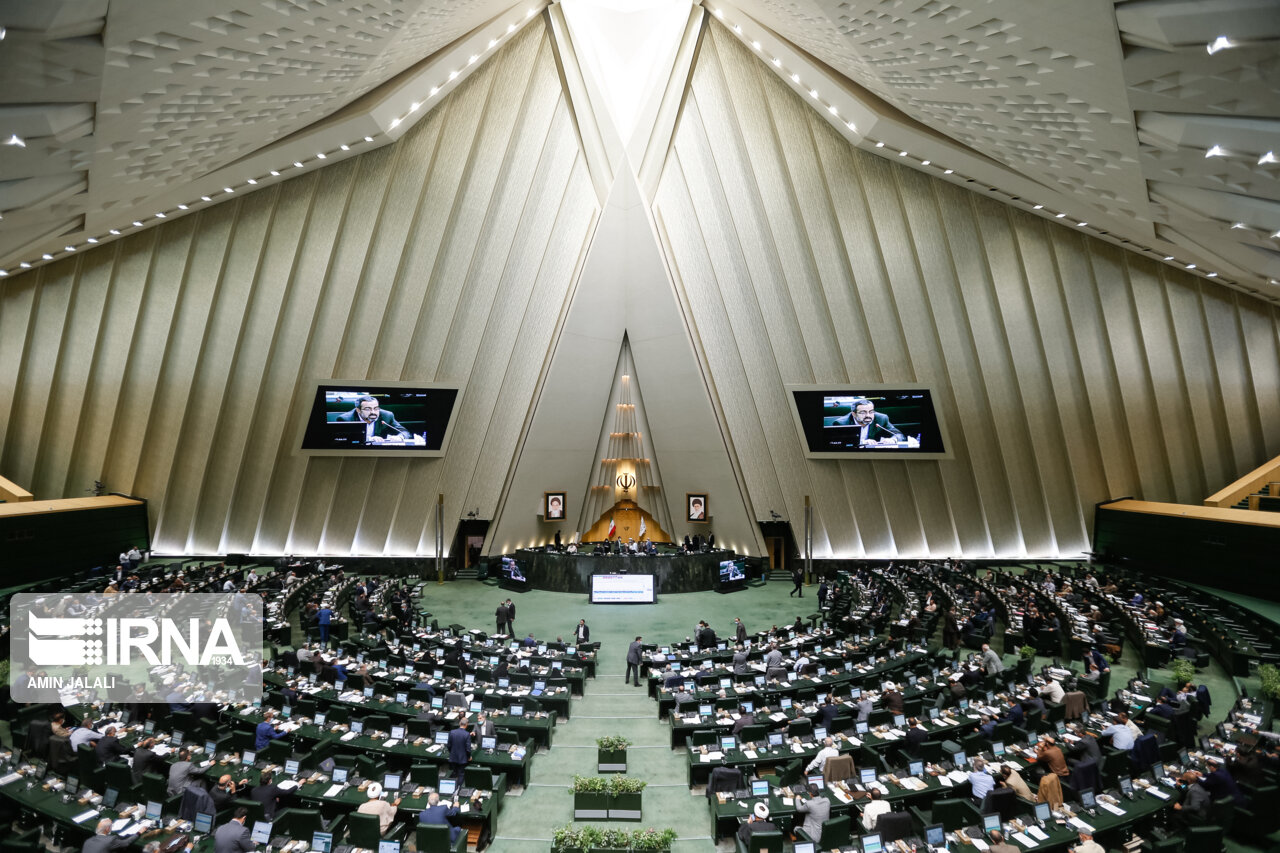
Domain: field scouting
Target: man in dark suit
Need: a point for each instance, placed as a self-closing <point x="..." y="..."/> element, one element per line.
<point x="873" y="427"/>
<point x="633" y="662"/>
<point x="739" y="631"/>
<point x="108" y="746"/>
<point x="233" y="836"/>
<point x="437" y="813"/>
<point x="379" y="425"/>
<point x="500" y="617"/>
<point x="459" y="750"/>
<point x="269" y="794"/>
<point x="582" y="633"/>
<point x="484" y="727"/>
<point x="103" y="841"/>
<point x="145" y="759"/>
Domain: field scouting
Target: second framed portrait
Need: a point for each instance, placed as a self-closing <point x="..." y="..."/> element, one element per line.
<point x="553" y="508"/>
<point x="697" y="506"/>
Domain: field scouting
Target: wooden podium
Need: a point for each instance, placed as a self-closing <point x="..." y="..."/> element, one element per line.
<point x="626" y="514"/>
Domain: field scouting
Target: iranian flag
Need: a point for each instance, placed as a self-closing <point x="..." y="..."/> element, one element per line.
<point x="613" y="528"/>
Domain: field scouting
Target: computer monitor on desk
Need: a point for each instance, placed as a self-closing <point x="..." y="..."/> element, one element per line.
<point x="990" y="822"/>
<point x="261" y="832"/>
<point x="448" y="787"/>
<point x="915" y="768"/>
<point x="935" y="836"/>
<point x="803" y="847"/>
<point x="871" y="843"/>
<point x="759" y="788"/>
<point x="1044" y="812"/>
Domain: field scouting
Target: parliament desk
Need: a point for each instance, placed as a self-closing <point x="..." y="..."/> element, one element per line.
<point x="672" y="572"/>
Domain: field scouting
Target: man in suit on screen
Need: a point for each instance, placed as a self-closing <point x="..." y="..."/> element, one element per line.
<point x="380" y="425"/>
<point x="874" y="427"/>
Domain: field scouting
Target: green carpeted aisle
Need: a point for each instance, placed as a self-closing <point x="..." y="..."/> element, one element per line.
<point x="610" y="706"/>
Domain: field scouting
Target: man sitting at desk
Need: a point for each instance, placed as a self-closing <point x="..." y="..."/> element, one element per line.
<point x="874" y="428"/>
<point x="816" y="809"/>
<point x="439" y="814"/>
<point x="758" y="822"/>
<point x="871" y="811"/>
<point x="103" y="841"/>
<point x="380" y="425"/>
<point x="375" y="805"/>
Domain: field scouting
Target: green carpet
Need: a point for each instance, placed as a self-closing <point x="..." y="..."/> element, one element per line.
<point x="610" y="706"/>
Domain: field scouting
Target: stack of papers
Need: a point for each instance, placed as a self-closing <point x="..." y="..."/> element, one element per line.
<point x="1115" y="810"/>
<point x="1037" y="833"/>
<point x="1023" y="840"/>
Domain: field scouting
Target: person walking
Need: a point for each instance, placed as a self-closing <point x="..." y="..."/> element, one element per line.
<point x="797" y="577"/>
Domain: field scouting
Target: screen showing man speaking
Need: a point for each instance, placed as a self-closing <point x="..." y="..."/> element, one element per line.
<point x="365" y="418"/>
<point x="873" y="422"/>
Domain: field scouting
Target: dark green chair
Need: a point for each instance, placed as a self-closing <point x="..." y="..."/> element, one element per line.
<point x="300" y="824"/>
<point x="434" y="838"/>
<point x="255" y="809"/>
<point x="761" y="842"/>
<point x="953" y="814"/>
<point x="1204" y="839"/>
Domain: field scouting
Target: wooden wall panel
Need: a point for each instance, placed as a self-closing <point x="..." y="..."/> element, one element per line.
<point x="1066" y="367"/>
<point x="179" y="361"/>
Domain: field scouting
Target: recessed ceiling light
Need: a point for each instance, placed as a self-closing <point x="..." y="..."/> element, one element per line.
<point x="320" y="155"/>
<point x="1269" y="157"/>
<point x="925" y="162"/>
<point x="368" y="139"/>
<point x="1215" y="151"/>
<point x="47" y="256"/>
<point x="274" y="173"/>
<point x="948" y="171"/>
<point x="1168" y="257"/>
<point x="253" y="182"/>
<point x="27" y="266"/>
<point x="756" y="45"/>
<point x="1038" y="207"/>
<point x="1191" y="266"/>
<point x="92" y="240"/>
<point x="1060" y="215"/>
<point x="115" y="231"/>
<point x="15" y="140"/>
<point x="346" y="147"/>
<point x="879" y="144"/>
<point x="159" y="216"/>
<point x="1081" y="224"/>
<point x="206" y="198"/>
<point x="297" y="164"/>
<point x="137" y="224"/>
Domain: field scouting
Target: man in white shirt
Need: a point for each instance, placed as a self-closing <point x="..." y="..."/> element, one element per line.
<point x="871" y="811"/>
<point x="820" y="760"/>
<point x="1053" y="691"/>
<point x="84" y="733"/>
<point x="229" y="585"/>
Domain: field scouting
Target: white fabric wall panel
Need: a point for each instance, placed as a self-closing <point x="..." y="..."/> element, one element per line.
<point x="176" y="363"/>
<point x="1069" y="371"/>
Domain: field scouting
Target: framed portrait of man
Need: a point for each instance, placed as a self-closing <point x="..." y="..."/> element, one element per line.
<point x="697" y="506"/>
<point x="553" y="506"/>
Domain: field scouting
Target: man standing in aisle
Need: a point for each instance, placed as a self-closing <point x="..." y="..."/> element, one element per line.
<point x="633" y="662"/>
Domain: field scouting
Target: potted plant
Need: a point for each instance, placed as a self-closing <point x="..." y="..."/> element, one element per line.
<point x="624" y="797"/>
<point x="611" y="754"/>
<point x="650" y="839"/>
<point x="590" y="798"/>
<point x="1183" y="671"/>
<point x="569" y="839"/>
<point x="1270" y="677"/>
<point x="613" y="841"/>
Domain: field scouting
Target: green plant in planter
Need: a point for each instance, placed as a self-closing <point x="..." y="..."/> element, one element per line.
<point x="612" y="743"/>
<point x="614" y="839"/>
<point x="590" y="785"/>
<point x="1270" y="680"/>
<point x="619" y="785"/>
<point x="567" y="837"/>
<point x="652" y="839"/>
<point x="1027" y="652"/>
<point x="1183" y="670"/>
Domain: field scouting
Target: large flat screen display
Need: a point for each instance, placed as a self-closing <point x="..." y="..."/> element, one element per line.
<point x="869" y="422"/>
<point x="363" y="418"/>
<point x="622" y="589"/>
